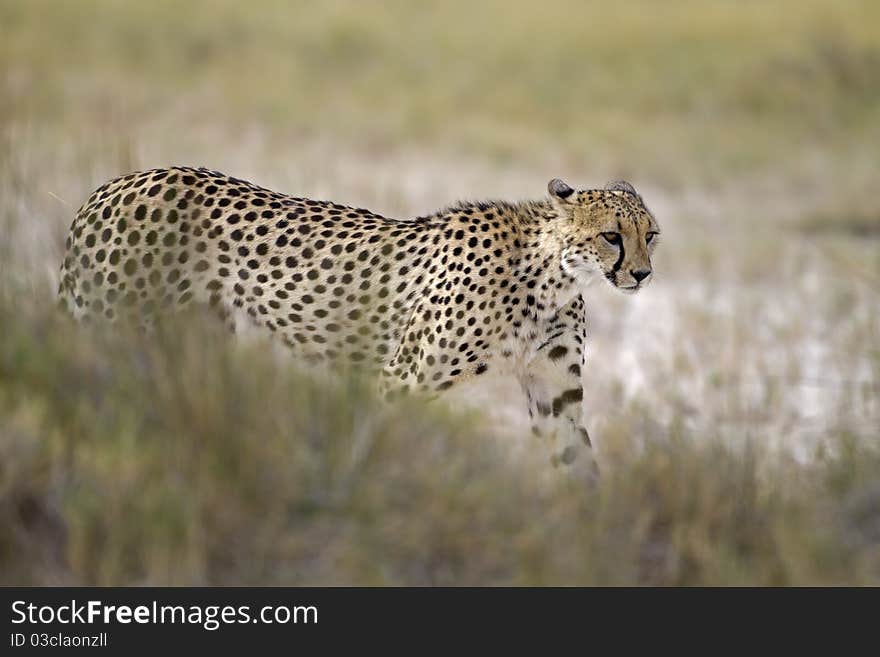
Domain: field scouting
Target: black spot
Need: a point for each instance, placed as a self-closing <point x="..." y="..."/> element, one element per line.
<point x="557" y="352"/>
<point x="570" y="396"/>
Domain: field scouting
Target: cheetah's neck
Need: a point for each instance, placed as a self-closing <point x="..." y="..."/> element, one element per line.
<point x="537" y="261"/>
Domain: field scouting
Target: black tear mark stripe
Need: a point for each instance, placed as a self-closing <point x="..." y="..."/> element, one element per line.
<point x="616" y="267"/>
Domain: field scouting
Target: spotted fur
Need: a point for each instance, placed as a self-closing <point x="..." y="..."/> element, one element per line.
<point x="425" y="302"/>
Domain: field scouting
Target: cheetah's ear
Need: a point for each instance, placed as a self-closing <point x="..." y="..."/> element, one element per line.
<point x="559" y="189"/>
<point x="621" y="186"/>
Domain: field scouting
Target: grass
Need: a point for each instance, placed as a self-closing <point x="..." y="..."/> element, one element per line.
<point x="734" y="403"/>
<point x="727" y="87"/>
<point x="190" y="459"/>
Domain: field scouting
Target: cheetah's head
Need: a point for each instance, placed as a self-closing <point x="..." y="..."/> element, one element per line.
<point x="606" y="232"/>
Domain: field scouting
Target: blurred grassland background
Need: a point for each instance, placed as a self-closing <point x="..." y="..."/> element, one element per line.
<point x="735" y="402"/>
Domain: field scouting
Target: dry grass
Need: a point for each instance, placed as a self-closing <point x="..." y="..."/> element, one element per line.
<point x="735" y="402"/>
<point x="189" y="459"/>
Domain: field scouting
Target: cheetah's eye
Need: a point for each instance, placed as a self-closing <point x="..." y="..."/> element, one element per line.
<point x="611" y="238"/>
<point x="650" y="236"/>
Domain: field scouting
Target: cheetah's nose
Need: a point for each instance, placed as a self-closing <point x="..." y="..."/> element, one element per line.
<point x="640" y="275"/>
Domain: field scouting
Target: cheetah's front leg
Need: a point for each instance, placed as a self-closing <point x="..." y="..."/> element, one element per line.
<point x="553" y="387"/>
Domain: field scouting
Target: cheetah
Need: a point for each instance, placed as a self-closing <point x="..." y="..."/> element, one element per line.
<point x="423" y="303"/>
